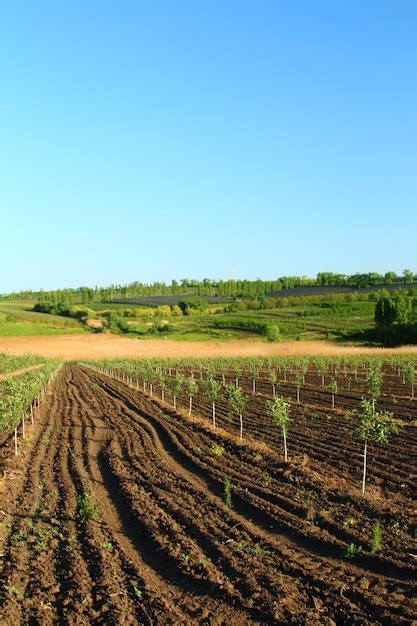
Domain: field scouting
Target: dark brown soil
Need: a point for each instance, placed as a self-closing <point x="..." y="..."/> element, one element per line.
<point x="162" y="547"/>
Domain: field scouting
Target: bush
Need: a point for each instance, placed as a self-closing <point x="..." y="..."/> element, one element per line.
<point x="396" y="319"/>
<point x="273" y="333"/>
<point x="195" y="304"/>
<point x="163" y="311"/>
<point x="116" y="324"/>
<point x="176" y="311"/>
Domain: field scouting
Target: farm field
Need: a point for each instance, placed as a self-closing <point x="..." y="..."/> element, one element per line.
<point x="120" y="508"/>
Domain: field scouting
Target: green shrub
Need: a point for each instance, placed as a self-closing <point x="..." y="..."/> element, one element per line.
<point x="273" y="333"/>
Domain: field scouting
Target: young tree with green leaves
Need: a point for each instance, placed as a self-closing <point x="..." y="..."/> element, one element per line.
<point x="211" y="391"/>
<point x="298" y="381"/>
<point x="333" y="389"/>
<point x="410" y="376"/>
<point x="237" y="370"/>
<point x="321" y="367"/>
<point x="278" y="410"/>
<point x="374" y="381"/>
<point x="255" y="368"/>
<point x="177" y="384"/>
<point x="237" y="402"/>
<point x="373" y="426"/>
<point x="272" y="377"/>
<point x="162" y="382"/>
<point x="192" y="389"/>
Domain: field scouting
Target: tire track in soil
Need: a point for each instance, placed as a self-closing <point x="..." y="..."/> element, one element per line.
<point x="110" y="592"/>
<point x="183" y="591"/>
<point x="123" y="399"/>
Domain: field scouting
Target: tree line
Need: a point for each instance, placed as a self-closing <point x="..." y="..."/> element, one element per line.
<point x="396" y="319"/>
<point x="212" y="288"/>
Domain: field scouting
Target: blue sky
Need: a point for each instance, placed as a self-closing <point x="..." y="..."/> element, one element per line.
<point x="158" y="140"/>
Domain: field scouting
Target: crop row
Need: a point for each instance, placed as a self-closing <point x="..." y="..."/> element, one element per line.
<point x="220" y="395"/>
<point x="18" y="394"/>
<point x="10" y="363"/>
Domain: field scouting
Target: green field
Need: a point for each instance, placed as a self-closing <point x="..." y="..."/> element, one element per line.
<point x="335" y="321"/>
<point x="17" y="321"/>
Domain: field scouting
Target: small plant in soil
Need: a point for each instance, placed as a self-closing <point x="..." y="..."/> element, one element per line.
<point x="185" y="557"/>
<point x="349" y="521"/>
<point x="255" y="550"/>
<point x="17" y="537"/>
<point x="106" y="545"/>
<point x="87" y="508"/>
<point x="351" y="551"/>
<point x="376" y="539"/>
<point x="216" y="450"/>
<point x="227" y="491"/>
<point x="13" y="591"/>
<point x="394" y="527"/>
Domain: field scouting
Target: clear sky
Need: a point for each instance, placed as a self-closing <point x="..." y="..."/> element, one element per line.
<point x="205" y="138"/>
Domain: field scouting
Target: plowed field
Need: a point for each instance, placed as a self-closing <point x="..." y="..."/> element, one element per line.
<point x="114" y="514"/>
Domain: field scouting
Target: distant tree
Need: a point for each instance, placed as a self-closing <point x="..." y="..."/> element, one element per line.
<point x="408" y="276"/>
<point x="396" y="319"/>
<point x="192" y="305"/>
<point x="389" y="276"/>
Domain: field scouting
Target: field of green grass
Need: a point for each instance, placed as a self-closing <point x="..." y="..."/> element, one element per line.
<point x="17" y="321"/>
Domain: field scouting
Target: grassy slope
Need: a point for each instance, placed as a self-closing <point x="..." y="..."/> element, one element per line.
<point x="16" y="321"/>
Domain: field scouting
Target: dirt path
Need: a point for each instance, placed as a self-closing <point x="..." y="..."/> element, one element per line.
<point x="100" y="346"/>
<point x="23" y="370"/>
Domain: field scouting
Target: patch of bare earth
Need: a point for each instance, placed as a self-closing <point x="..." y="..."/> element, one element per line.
<point x="69" y="347"/>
